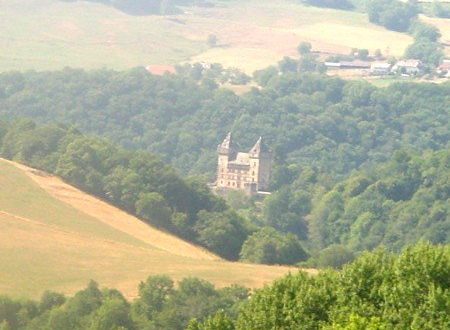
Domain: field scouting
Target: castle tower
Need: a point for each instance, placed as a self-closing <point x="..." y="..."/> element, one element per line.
<point x="261" y="164"/>
<point x="226" y="153"/>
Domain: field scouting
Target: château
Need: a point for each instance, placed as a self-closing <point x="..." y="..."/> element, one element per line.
<point x="246" y="171"/>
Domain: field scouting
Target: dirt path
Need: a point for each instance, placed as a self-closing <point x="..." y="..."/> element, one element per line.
<point x="113" y="216"/>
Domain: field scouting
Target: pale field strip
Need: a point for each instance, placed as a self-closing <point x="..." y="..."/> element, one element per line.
<point x="251" y="35"/>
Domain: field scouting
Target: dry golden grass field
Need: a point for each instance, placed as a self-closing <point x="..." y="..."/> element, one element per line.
<point x="53" y="236"/>
<point x="252" y="34"/>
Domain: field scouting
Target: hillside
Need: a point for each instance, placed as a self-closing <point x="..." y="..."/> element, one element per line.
<point x="53" y="236"/>
<point x="50" y="34"/>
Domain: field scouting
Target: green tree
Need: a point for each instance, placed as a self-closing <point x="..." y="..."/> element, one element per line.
<point x="153" y="208"/>
<point x="394" y="15"/>
<point x="114" y="314"/>
<point x="224" y="233"/>
<point x="304" y="48"/>
<point x="268" y="246"/>
<point x="219" y="321"/>
<point x="50" y="300"/>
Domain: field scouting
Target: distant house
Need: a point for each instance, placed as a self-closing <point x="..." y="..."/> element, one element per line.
<point x="444" y="68"/>
<point x="380" y="68"/>
<point x="333" y="65"/>
<point x="410" y="67"/>
<point x="355" y="65"/>
<point x="348" y="65"/>
<point x="159" y="70"/>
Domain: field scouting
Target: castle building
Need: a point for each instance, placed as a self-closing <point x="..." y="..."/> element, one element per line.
<point x="246" y="171"/>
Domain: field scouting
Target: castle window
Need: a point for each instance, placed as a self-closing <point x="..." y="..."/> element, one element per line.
<point x="253" y="173"/>
<point x="233" y="184"/>
<point x="221" y="182"/>
<point x="228" y="182"/>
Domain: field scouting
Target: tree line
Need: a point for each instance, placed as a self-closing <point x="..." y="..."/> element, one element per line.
<point x="379" y="290"/>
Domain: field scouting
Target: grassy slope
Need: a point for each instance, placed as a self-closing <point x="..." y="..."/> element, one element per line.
<point x="48" y="34"/>
<point x="45" y="243"/>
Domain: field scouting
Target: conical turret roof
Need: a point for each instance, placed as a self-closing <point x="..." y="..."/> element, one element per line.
<point x="259" y="148"/>
<point x="227" y="144"/>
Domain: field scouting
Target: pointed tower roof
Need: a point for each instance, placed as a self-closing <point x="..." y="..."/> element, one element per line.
<point x="259" y="148"/>
<point x="226" y="146"/>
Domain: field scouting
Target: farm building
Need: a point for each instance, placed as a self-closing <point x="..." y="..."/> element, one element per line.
<point x="159" y="70"/>
<point x="380" y="68"/>
<point x="348" y="65"/>
<point x="444" y="68"/>
<point x="410" y="67"/>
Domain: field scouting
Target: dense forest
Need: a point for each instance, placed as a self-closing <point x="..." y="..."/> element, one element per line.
<point x="394" y="205"/>
<point x="379" y="290"/>
<point x="308" y="119"/>
<point x="355" y="166"/>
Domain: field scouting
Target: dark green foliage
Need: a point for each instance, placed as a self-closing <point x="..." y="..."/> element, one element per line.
<point x="50" y="300"/>
<point x="114" y="314"/>
<point x="441" y="10"/>
<point x="308" y="119"/>
<point x="377" y="291"/>
<point x="334" y="256"/>
<point x="219" y="321"/>
<point x="425" y="31"/>
<point x="426" y="46"/>
<point x="263" y="76"/>
<point x="153" y="206"/>
<point x="429" y="52"/>
<point x="223" y="233"/>
<point x="304" y="48"/>
<point x="392" y="14"/>
<point x="161" y="306"/>
<point x="285" y="211"/>
<point x="267" y="246"/>
<point x="395" y="205"/>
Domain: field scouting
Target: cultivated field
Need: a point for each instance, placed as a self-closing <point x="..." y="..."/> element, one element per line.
<point x="252" y="34"/>
<point x="52" y="236"/>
